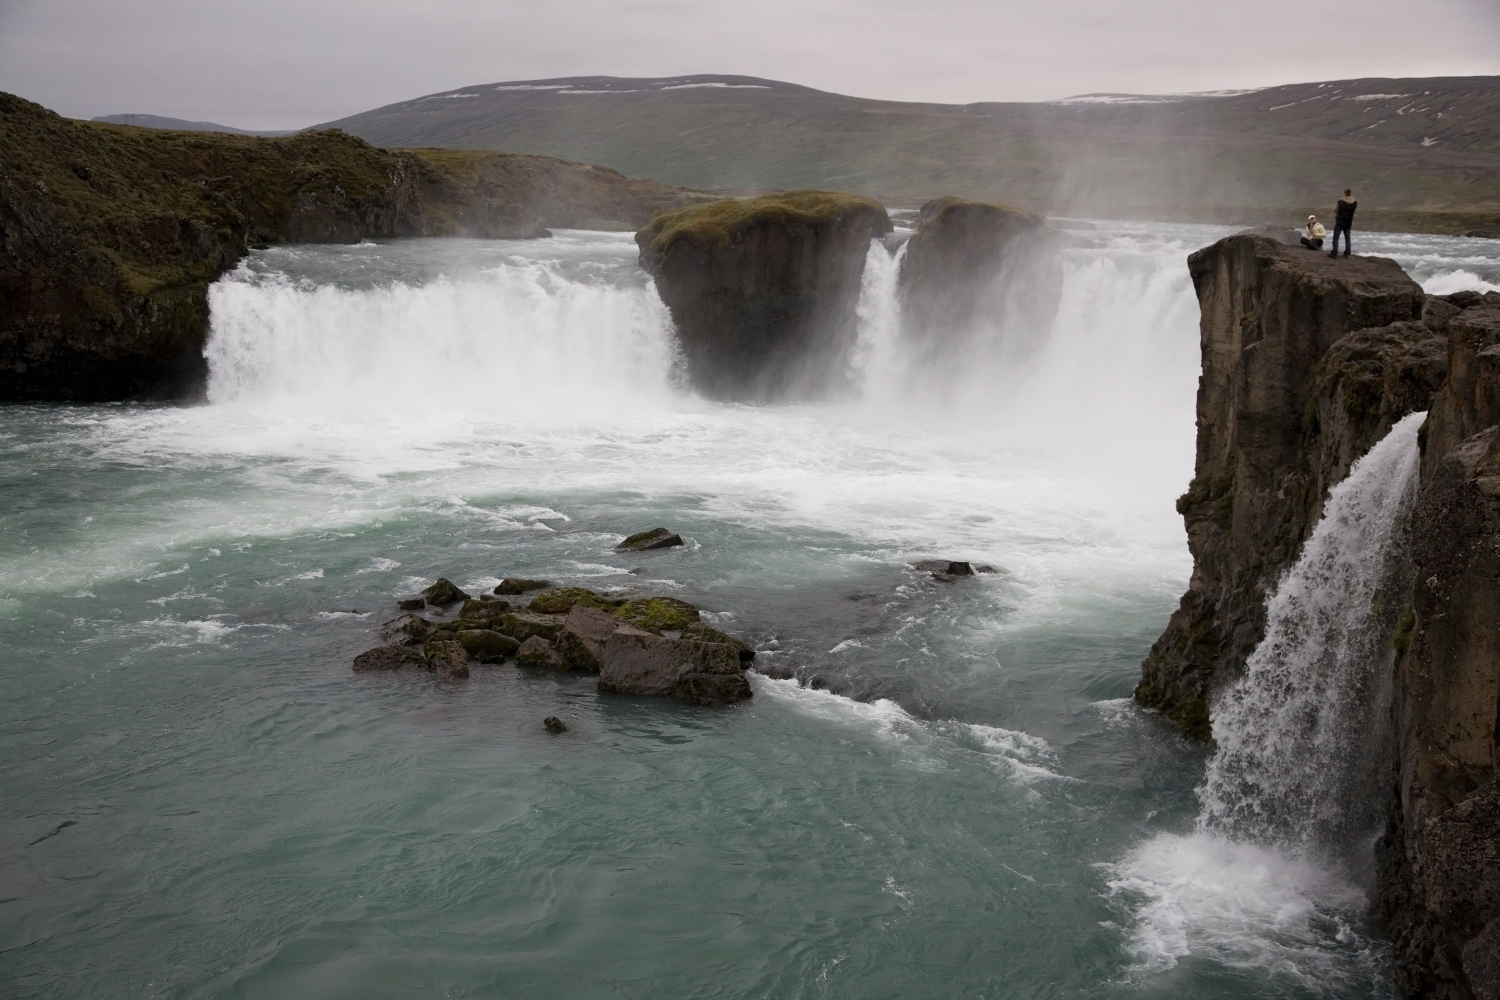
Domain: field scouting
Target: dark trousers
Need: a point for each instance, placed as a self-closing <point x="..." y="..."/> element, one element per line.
<point x="1313" y="243"/>
<point x="1341" y="227"/>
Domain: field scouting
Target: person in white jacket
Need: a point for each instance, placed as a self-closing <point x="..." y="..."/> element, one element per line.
<point x="1315" y="234"/>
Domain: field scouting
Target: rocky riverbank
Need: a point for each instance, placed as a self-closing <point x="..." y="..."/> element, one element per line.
<point x="1307" y="362"/>
<point x="110" y="235"/>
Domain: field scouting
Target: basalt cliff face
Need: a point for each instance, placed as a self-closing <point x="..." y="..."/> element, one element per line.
<point x="1440" y="859"/>
<point x="1307" y="362"/>
<point x="763" y="291"/>
<point x="1275" y="430"/>
<point x="110" y="235"/>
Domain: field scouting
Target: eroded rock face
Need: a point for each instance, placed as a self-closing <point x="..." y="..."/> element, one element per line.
<point x="1264" y="460"/>
<point x="634" y="661"/>
<point x="763" y="292"/>
<point x="1440" y="860"/>
<point x="978" y="277"/>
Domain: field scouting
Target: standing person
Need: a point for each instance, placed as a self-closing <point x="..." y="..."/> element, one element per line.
<point x="1315" y="233"/>
<point x="1343" y="221"/>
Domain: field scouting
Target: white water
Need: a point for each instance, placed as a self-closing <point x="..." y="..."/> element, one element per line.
<point x="383" y="412"/>
<point x="1298" y="734"/>
<point x="1292" y="798"/>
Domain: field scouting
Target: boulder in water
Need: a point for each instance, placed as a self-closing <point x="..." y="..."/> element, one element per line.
<point x="653" y="538"/>
<point x="412" y="604"/>
<point x="581" y="641"/>
<point x="447" y="658"/>
<point x="634" y="661"/>
<point x="763" y="291"/>
<point x="554" y="725"/>
<point x="946" y="568"/>
<point x="657" y="613"/>
<point x="383" y="658"/>
<point x="538" y="652"/>
<point x="512" y="585"/>
<point x="486" y="645"/>
<point x="443" y="592"/>
<point x="407" y="630"/>
<point x="703" y="632"/>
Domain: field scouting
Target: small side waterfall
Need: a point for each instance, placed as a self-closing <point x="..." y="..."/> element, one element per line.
<point x="1302" y="737"/>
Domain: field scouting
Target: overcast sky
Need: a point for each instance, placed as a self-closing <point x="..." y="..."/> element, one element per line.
<point x="285" y="64"/>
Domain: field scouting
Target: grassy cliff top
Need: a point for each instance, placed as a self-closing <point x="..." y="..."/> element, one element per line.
<point x="722" y="223"/>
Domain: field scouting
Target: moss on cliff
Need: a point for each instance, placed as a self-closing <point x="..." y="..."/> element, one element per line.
<point x="111" y="234"/>
<point x="721" y="223"/>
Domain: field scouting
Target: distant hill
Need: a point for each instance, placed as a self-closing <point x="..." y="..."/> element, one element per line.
<point x="157" y="121"/>
<point x="1430" y="146"/>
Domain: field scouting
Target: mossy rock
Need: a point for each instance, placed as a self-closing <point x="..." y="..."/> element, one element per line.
<point x="512" y="585"/>
<point x="651" y="538"/>
<point x="657" y="613"/>
<point x="443" y="592"/>
<point x="704" y="632"/>
<point x="487" y="646"/>
<point x="558" y="600"/>
<point x="721" y="224"/>
<point x="482" y="608"/>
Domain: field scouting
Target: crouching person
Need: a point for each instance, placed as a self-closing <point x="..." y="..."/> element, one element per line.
<point x="1315" y="234"/>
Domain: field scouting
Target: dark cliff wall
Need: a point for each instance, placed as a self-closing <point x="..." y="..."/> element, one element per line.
<point x="1307" y="362"/>
<point x="110" y="235"/>
<point x="978" y="277"/>
<point x="763" y="291"/>
<point x="1274" y="433"/>
<point x="1440" y="865"/>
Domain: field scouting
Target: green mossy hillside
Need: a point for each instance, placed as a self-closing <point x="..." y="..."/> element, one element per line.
<point x="111" y="234"/>
<point x="720" y="224"/>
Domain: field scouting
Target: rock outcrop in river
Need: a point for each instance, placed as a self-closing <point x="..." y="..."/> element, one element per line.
<point x="110" y="235"/>
<point x="763" y="291"/>
<point x="1307" y="362"/>
<point x="978" y="277"/>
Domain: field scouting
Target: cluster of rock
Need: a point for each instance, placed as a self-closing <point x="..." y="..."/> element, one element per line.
<point x="948" y="570"/>
<point x="763" y="292"/>
<point x="1307" y="362"/>
<point x="640" y="646"/>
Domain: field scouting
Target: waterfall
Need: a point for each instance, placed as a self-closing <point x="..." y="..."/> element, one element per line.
<point x="1302" y="737"/>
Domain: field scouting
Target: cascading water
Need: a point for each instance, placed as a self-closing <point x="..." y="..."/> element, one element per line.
<point x="1292" y="797"/>
<point x="1301" y="736"/>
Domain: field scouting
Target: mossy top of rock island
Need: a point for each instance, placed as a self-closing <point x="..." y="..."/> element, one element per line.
<point x="941" y="211"/>
<point x="721" y="224"/>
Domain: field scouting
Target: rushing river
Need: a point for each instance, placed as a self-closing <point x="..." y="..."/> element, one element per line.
<point x="199" y="799"/>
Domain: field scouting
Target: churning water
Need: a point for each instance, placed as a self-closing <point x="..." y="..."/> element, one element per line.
<point x="201" y="800"/>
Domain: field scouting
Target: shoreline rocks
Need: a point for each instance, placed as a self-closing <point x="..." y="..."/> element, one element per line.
<point x="763" y="291"/>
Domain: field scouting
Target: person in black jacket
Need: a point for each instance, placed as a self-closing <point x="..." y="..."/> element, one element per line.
<point x="1343" y="221"/>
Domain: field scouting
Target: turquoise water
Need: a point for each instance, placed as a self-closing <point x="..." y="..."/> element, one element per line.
<point x="201" y="800"/>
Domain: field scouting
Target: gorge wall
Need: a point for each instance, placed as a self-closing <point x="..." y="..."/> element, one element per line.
<point x="1307" y="362"/>
<point x="110" y="235"/>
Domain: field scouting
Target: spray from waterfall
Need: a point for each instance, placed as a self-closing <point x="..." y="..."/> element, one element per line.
<point x="1302" y="737"/>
